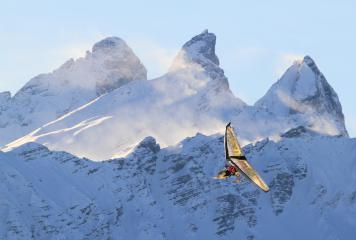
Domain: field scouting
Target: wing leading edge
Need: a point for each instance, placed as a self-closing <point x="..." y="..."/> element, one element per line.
<point x="235" y="155"/>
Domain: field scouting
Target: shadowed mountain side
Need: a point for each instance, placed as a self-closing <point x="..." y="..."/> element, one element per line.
<point x="169" y="193"/>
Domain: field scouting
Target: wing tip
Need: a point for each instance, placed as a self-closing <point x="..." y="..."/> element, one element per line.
<point x="265" y="189"/>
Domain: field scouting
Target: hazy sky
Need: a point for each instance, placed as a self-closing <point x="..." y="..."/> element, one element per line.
<point x="256" y="40"/>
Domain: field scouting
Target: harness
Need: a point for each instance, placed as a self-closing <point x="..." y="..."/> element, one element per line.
<point x="232" y="169"/>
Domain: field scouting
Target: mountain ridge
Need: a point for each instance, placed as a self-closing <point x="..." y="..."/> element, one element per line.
<point x="190" y="98"/>
<point x="148" y="151"/>
<point x="193" y="96"/>
<point x="169" y="192"/>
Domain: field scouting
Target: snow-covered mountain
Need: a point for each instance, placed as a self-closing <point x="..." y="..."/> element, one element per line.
<point x="300" y="99"/>
<point x="303" y="96"/>
<point x="169" y="193"/>
<point x="194" y="96"/>
<point x="109" y="65"/>
<point x="101" y="106"/>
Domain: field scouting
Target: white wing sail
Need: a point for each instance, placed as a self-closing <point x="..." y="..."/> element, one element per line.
<point x="235" y="155"/>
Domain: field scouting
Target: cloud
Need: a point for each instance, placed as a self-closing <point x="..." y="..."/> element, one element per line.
<point x="75" y="49"/>
<point x="156" y="58"/>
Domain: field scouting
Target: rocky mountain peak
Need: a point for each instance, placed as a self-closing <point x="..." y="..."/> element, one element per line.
<point x="303" y="89"/>
<point x="110" y="65"/>
<point x="200" y="49"/>
<point x="109" y="44"/>
<point x="202" y="46"/>
<point x="311" y="64"/>
<point x="148" y="144"/>
<point x="197" y="60"/>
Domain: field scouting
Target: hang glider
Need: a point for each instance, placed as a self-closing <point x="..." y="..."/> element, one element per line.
<point x="236" y="158"/>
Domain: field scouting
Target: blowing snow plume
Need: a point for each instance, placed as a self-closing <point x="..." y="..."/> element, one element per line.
<point x="192" y="97"/>
<point x="46" y="97"/>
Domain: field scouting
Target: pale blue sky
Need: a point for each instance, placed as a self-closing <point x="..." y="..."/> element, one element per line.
<point x="256" y="40"/>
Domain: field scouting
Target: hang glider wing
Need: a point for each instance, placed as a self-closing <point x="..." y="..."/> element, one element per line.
<point x="232" y="147"/>
<point x="235" y="155"/>
<point x="250" y="173"/>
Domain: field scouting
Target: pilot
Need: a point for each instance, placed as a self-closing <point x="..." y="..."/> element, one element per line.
<point x="228" y="171"/>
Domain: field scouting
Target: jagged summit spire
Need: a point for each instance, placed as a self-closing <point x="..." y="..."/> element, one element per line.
<point x="303" y="89"/>
<point x="202" y="45"/>
<point x="312" y="65"/>
<point x="200" y="49"/>
<point x="197" y="56"/>
<point x="308" y="60"/>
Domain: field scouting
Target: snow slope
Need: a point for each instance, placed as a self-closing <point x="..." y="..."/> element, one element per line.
<point x="194" y="96"/>
<point x="46" y="97"/>
<point x="169" y="193"/>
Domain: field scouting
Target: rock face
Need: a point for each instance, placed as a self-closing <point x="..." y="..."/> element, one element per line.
<point x="46" y="97"/>
<point x="120" y="69"/>
<point x="192" y="97"/>
<point x="303" y="95"/>
<point x="201" y="49"/>
<point x="199" y="53"/>
<point x="169" y="193"/>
